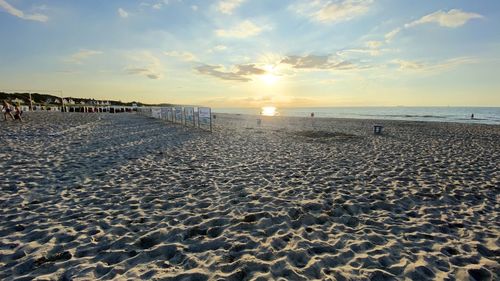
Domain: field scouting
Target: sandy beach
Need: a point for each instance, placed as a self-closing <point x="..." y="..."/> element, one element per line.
<point x="126" y="197"/>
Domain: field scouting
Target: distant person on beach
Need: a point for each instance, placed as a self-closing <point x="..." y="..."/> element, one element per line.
<point x="472" y="116"/>
<point x="312" y="114"/>
<point x="8" y="110"/>
<point x="18" y="112"/>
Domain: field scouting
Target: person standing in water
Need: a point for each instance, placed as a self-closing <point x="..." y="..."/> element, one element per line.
<point x="472" y="116"/>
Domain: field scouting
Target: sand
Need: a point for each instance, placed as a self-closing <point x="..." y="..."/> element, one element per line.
<point x="125" y="197"/>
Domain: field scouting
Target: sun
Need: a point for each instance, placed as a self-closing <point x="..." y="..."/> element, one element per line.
<point x="269" y="78"/>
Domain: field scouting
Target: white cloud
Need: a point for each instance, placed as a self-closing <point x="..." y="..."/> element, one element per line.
<point x="194" y="7"/>
<point x="186" y="56"/>
<point x="390" y="35"/>
<point x="220" y="48"/>
<point x="20" y="14"/>
<point x="81" y="55"/>
<point x="159" y="4"/>
<point x="122" y="13"/>
<point x="242" y="30"/>
<point x="408" y="65"/>
<point x="374" y="44"/>
<point x="452" y="18"/>
<point x="228" y="6"/>
<point x="329" y="11"/>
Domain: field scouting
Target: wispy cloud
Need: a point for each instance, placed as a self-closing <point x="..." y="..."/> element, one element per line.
<point x="242" y="72"/>
<point x="314" y="62"/>
<point x="82" y="55"/>
<point x="332" y="11"/>
<point x="391" y="34"/>
<point x="145" y="64"/>
<point x="372" y="48"/>
<point x="122" y="13"/>
<point x="149" y="73"/>
<point x="183" y="55"/>
<point x="451" y="19"/>
<point x="242" y="30"/>
<point x="20" y="14"/>
<point x="220" y="48"/>
<point x="425" y="66"/>
<point x="228" y="6"/>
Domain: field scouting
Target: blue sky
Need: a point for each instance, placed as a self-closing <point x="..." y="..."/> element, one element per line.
<point x="255" y="52"/>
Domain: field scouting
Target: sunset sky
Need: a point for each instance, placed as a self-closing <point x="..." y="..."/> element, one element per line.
<point x="250" y="53"/>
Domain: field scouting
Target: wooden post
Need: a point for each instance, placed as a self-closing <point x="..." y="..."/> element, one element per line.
<point x="210" y="109"/>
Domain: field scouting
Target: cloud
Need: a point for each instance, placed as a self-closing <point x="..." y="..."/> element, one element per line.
<point x="453" y="18"/>
<point x="81" y="55"/>
<point x="144" y="72"/>
<point x="314" y="62"/>
<point x="332" y="11"/>
<point x="408" y="65"/>
<point x="374" y="44"/>
<point x="20" y="14"/>
<point x="122" y="13"/>
<point x="276" y="65"/>
<point x="390" y="35"/>
<point x="242" y="30"/>
<point x="369" y="51"/>
<point x="242" y="72"/>
<point x="145" y="64"/>
<point x="228" y="6"/>
<point x="186" y="56"/>
<point x="220" y="48"/>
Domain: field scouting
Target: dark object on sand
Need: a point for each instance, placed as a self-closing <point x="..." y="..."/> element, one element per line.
<point x="324" y="135"/>
<point x="377" y="129"/>
<point x="312" y="114"/>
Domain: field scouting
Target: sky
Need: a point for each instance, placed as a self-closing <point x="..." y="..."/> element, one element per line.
<point x="252" y="53"/>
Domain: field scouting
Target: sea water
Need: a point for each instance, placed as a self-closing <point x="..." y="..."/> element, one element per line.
<point x="483" y="115"/>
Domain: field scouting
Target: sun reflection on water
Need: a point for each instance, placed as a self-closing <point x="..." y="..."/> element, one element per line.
<point x="268" y="111"/>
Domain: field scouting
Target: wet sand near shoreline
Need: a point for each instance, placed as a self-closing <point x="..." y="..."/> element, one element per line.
<point x="103" y="196"/>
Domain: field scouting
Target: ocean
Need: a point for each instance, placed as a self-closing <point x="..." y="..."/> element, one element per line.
<point x="482" y="115"/>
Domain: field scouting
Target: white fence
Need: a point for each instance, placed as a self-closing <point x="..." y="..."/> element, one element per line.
<point x="189" y="116"/>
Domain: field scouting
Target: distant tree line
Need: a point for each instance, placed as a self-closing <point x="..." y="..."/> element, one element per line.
<point x="38" y="98"/>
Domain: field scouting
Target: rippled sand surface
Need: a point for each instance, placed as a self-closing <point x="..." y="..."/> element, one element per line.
<point x="125" y="197"/>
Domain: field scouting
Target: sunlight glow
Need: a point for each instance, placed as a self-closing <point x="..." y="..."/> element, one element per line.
<point x="269" y="111"/>
<point x="269" y="78"/>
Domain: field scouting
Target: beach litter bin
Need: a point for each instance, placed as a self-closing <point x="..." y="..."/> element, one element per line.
<point x="377" y="129"/>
